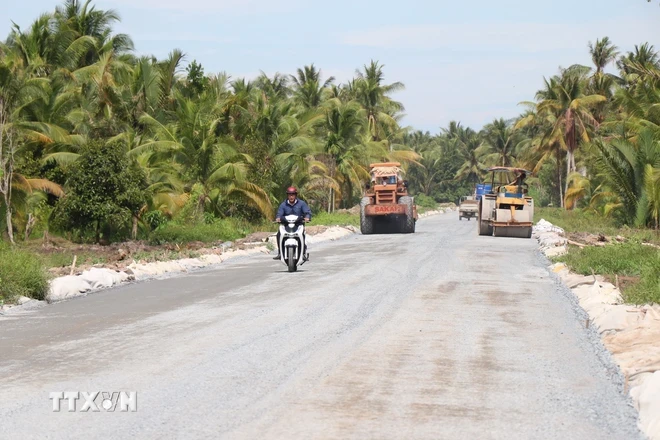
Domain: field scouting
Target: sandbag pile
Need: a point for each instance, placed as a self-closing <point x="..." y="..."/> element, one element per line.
<point x="630" y="333"/>
<point x="551" y="238"/>
<point x="70" y="286"/>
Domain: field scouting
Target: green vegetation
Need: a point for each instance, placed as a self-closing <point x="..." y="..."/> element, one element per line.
<point x="219" y="230"/>
<point x="577" y="220"/>
<point x="100" y="145"/>
<point x="64" y="258"/>
<point x="425" y="203"/>
<point x="21" y="274"/>
<point x="624" y="259"/>
<point x="635" y="260"/>
<point x="336" y="218"/>
<point x="104" y="189"/>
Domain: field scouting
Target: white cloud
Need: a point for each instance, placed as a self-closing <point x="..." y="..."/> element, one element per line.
<point x="523" y="37"/>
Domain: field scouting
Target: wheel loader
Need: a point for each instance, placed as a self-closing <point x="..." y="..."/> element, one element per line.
<point x="386" y="206"/>
<point x="505" y="209"/>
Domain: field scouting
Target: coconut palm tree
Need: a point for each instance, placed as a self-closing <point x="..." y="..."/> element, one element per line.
<point x="343" y="148"/>
<point x="603" y="52"/>
<point x="499" y="143"/>
<point x="191" y="147"/>
<point x="275" y="88"/>
<point x="624" y="165"/>
<point x="369" y="90"/>
<point x="570" y="108"/>
<point x="469" y="146"/>
<point x="77" y="21"/>
<point x="652" y="190"/>
<point x="308" y="87"/>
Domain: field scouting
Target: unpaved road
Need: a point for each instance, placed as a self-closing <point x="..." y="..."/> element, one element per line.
<point x="440" y="334"/>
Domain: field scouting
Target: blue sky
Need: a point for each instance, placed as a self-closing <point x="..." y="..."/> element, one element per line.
<point x="467" y="61"/>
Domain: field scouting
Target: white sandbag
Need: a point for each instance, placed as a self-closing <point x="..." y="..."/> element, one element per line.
<point x="647" y="397"/>
<point x="572" y="280"/>
<point x="616" y="318"/>
<point x="66" y="287"/>
<point x="99" y="278"/>
<point x="551" y="239"/>
<point x="545" y="226"/>
<point x="599" y="295"/>
<point x="191" y="263"/>
<point x="555" y="251"/>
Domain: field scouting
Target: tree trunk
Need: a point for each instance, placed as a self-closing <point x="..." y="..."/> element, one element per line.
<point x="29" y="225"/>
<point x="559" y="182"/>
<point x="568" y="173"/>
<point x="6" y="167"/>
<point x="134" y="230"/>
<point x="97" y="238"/>
<point x="10" y="227"/>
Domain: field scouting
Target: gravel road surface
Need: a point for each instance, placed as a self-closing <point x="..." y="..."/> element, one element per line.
<point x="439" y="334"/>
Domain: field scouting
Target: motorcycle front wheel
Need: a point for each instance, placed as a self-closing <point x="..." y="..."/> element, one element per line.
<point x="291" y="262"/>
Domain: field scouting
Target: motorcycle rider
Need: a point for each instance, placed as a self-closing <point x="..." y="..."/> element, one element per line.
<point x="293" y="206"/>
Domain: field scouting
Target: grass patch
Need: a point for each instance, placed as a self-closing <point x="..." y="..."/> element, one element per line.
<point x="336" y="218"/>
<point x="624" y="259"/>
<point x="647" y="290"/>
<point x="581" y="221"/>
<point x="21" y="274"/>
<point x="633" y="260"/>
<point x="577" y="220"/>
<point x="220" y="230"/>
<point x="641" y="262"/>
<point x="64" y="258"/>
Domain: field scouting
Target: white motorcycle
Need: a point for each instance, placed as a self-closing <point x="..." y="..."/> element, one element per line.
<point x="292" y="241"/>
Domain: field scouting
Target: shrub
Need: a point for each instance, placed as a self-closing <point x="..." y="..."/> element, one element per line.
<point x="104" y="188"/>
<point x="21" y="274"/>
<point x="424" y="201"/>
<point x="219" y="230"/>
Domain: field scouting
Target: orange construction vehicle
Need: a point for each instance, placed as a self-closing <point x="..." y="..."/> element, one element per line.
<point x="386" y="205"/>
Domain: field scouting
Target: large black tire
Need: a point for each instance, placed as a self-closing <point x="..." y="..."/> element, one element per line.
<point x="483" y="226"/>
<point x="366" y="222"/>
<point x="291" y="262"/>
<point x="407" y="222"/>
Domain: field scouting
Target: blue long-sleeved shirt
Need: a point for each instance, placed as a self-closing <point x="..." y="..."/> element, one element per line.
<point x="299" y="207"/>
